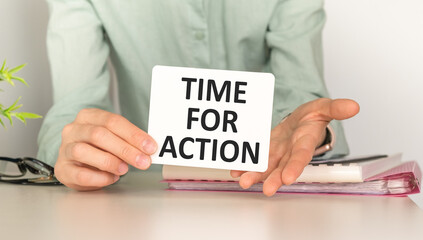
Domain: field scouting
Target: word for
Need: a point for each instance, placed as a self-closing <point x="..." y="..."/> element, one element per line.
<point x="229" y="118"/>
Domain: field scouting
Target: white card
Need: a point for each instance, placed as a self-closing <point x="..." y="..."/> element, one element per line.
<point x="211" y="118"/>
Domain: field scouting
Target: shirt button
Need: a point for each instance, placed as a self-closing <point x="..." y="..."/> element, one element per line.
<point x="200" y="35"/>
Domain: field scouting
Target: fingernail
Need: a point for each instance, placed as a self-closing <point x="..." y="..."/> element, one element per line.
<point x="115" y="178"/>
<point x="123" y="168"/>
<point x="244" y="184"/>
<point x="288" y="179"/>
<point x="149" y="146"/>
<point x="142" y="162"/>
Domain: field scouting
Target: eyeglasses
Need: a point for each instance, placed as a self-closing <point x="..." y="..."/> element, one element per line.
<point x="14" y="170"/>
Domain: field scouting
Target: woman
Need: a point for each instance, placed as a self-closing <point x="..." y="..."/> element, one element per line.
<point x="281" y="37"/>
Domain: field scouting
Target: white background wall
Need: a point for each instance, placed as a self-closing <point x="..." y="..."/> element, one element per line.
<point x="373" y="54"/>
<point x="23" y="25"/>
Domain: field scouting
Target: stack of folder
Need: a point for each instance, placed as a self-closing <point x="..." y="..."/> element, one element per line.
<point x="368" y="175"/>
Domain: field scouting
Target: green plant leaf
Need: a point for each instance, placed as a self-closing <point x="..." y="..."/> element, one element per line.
<point x="16" y="69"/>
<point x="13" y="105"/>
<point x="1" y="122"/>
<point x="8" y="78"/>
<point x="7" y="115"/>
<point x="19" y="117"/>
<point x="4" y="64"/>
<point x="20" y="80"/>
<point x="29" y="115"/>
<point x="15" y="108"/>
<point x="25" y="115"/>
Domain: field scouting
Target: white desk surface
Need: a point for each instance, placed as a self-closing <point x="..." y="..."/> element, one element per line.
<point x="139" y="207"/>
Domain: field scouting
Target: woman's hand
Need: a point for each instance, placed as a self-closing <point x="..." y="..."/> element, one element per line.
<point x="97" y="148"/>
<point x="293" y="141"/>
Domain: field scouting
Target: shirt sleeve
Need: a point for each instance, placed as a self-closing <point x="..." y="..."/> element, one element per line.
<point x="78" y="54"/>
<point x="294" y="37"/>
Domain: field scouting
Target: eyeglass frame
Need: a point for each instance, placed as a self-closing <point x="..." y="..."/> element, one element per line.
<point x="47" y="178"/>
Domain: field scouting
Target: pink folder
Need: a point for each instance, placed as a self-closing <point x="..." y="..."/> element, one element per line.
<point x="401" y="180"/>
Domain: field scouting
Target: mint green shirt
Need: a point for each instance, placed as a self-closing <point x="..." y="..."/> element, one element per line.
<point x="282" y="37"/>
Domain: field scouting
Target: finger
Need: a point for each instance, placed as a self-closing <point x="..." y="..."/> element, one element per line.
<point x="120" y="126"/>
<point x="301" y="155"/>
<point x="324" y="109"/>
<point x="274" y="181"/>
<point x="236" y="173"/>
<point x="249" y="178"/>
<point x="338" y="109"/>
<point x="341" y="109"/>
<point x="87" y="178"/>
<point x="278" y="149"/>
<point x="109" y="142"/>
<point x="89" y="155"/>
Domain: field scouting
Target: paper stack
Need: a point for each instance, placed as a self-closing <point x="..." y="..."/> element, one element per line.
<point x="370" y="175"/>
